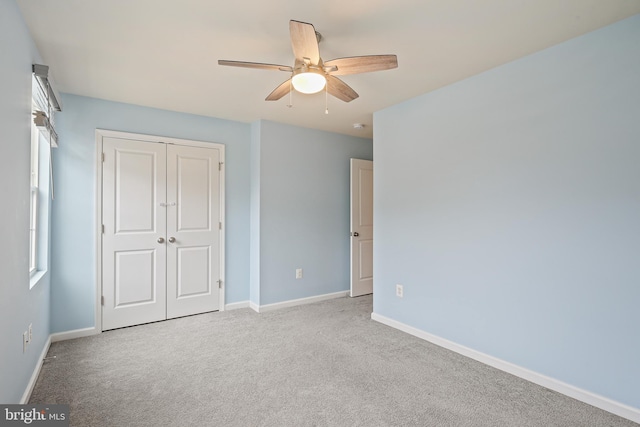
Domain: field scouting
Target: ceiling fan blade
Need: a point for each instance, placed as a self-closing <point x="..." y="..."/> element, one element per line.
<point x="257" y="65"/>
<point x="304" y="42"/>
<point x="340" y="89"/>
<point x="362" y="64"/>
<point x="280" y="91"/>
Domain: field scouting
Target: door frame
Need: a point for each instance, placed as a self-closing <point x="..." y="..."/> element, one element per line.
<point x="102" y="133"/>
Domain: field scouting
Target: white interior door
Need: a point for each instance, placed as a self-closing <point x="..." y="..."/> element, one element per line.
<point x="361" y="227"/>
<point x="133" y="263"/>
<point x="193" y="230"/>
<point x="161" y="241"/>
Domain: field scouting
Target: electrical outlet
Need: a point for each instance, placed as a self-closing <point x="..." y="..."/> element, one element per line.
<point x="399" y="291"/>
<point x="25" y="341"/>
<point x="30" y="332"/>
<point x="298" y="273"/>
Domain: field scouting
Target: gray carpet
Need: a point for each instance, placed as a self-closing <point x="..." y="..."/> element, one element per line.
<point x="324" y="364"/>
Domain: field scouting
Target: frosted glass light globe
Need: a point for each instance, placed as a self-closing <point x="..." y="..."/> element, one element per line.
<point x="308" y="82"/>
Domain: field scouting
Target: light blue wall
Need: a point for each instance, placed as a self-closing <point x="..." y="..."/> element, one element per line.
<point x="304" y="210"/>
<point x="508" y="205"/>
<point x="254" y="287"/>
<point x="19" y="306"/>
<point x="74" y="261"/>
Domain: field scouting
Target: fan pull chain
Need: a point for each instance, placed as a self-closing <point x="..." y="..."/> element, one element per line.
<point x="326" y="99"/>
<point x="290" y="104"/>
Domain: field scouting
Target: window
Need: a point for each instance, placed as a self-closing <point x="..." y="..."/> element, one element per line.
<point x="43" y="138"/>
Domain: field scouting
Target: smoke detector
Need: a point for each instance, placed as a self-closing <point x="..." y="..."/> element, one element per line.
<point x="358" y="126"/>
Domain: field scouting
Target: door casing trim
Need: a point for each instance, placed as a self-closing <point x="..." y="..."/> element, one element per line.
<point x="102" y="133"/>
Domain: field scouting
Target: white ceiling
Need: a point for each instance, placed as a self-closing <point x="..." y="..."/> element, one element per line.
<point x="163" y="53"/>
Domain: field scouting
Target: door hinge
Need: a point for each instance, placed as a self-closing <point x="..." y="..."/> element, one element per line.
<point x="220" y="165"/>
<point x="102" y="300"/>
<point x="103" y="157"/>
<point x="102" y="228"/>
<point x="219" y="283"/>
<point x="220" y="226"/>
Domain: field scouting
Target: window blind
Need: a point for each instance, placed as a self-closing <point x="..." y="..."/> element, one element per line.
<point x="46" y="102"/>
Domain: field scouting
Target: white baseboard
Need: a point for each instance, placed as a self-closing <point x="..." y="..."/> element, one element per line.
<point x="255" y="307"/>
<point x="61" y="336"/>
<point x="585" y="396"/>
<point x="76" y="333"/>
<point x="34" y="376"/>
<point x="295" y="302"/>
<point x="236" y="305"/>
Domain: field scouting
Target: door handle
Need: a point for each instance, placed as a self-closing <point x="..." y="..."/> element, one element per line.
<point x="172" y="239"/>
<point x="161" y="240"/>
<point x="355" y="234"/>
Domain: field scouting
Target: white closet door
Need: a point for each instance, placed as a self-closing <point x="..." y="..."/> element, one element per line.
<point x="134" y="218"/>
<point x="193" y="230"/>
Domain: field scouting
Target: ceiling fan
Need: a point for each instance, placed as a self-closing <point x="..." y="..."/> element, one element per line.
<point x="310" y="74"/>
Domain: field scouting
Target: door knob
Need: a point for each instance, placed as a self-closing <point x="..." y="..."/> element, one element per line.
<point x="355" y="234"/>
<point x="160" y="239"/>
<point x="172" y="239"/>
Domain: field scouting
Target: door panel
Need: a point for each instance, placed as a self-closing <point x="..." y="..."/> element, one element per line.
<point x="134" y="278"/>
<point x="192" y="278"/>
<point x="135" y="180"/>
<point x="365" y="196"/>
<point x="194" y="192"/>
<point x="133" y="266"/>
<point x="193" y="217"/>
<point x="366" y="260"/>
<point x="361" y="227"/>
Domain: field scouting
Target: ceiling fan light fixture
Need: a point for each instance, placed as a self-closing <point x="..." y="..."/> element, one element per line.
<point x="310" y="81"/>
<point x="310" y="74"/>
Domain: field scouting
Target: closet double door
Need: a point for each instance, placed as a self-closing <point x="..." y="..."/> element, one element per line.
<point x="161" y="231"/>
